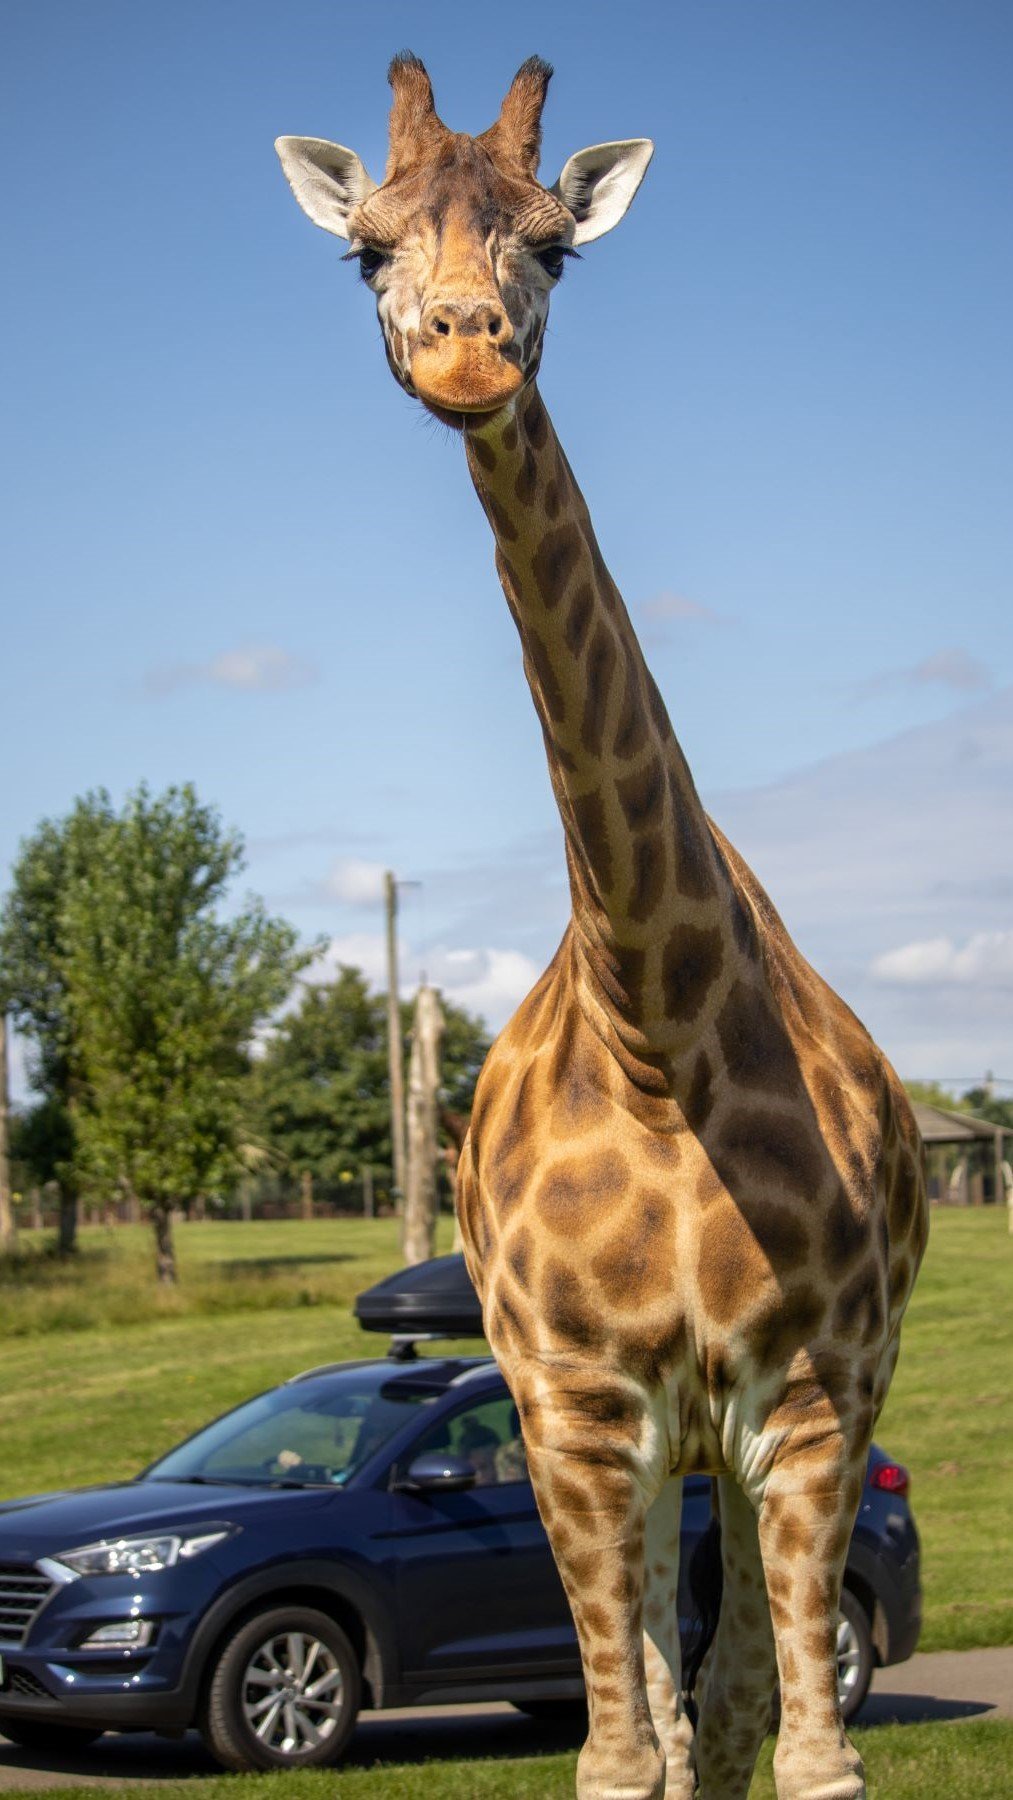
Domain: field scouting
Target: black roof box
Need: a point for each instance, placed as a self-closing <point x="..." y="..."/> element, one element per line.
<point x="431" y="1297"/>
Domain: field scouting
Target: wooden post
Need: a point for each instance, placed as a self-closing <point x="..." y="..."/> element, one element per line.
<point x="419" y="1242"/>
<point x="246" y="1199"/>
<point x="6" y="1196"/>
<point x="394" y="1052"/>
<point x="368" y="1206"/>
<point x="306" y="1193"/>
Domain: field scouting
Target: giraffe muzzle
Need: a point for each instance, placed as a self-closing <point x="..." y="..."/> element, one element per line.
<point x="464" y="359"/>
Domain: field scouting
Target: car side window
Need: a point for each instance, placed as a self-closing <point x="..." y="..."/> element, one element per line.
<point x="488" y="1436"/>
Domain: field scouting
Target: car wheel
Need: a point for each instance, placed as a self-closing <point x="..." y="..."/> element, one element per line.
<point x="37" y="1734"/>
<point x="854" y="1654"/>
<point x="284" y="1692"/>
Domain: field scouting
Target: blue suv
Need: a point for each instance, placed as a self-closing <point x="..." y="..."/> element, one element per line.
<point x="363" y="1535"/>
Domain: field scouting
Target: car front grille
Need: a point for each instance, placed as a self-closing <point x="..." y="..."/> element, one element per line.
<point x="22" y="1591"/>
<point x="23" y="1682"/>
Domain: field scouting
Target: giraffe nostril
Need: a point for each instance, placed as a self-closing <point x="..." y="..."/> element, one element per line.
<point x="442" y="327"/>
<point x="495" y="324"/>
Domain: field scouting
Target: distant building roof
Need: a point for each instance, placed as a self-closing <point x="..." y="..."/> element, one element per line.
<point x="940" y="1127"/>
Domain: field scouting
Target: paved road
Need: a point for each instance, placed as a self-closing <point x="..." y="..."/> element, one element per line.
<point x="948" y="1686"/>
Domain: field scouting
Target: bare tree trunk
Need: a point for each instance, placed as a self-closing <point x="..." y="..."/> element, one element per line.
<point x="394" y="1060"/>
<point x="419" y="1239"/>
<point x="165" y="1249"/>
<point x="6" y="1196"/>
<point x="35" y="1200"/>
<point x="246" y="1199"/>
<point x="368" y="1207"/>
<point x="306" y="1194"/>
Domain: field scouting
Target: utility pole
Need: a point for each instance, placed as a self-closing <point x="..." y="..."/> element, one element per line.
<point x="6" y="1200"/>
<point x="394" y="1049"/>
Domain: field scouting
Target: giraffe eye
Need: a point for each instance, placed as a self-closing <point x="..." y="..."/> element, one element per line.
<point x="552" y="258"/>
<point x="371" y="261"/>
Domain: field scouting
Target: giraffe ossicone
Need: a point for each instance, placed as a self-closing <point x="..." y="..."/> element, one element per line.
<point x="692" y="1197"/>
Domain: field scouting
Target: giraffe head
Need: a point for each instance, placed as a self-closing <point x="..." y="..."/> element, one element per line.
<point x="460" y="242"/>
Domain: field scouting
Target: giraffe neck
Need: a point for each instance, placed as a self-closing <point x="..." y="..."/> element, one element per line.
<point x="653" y="906"/>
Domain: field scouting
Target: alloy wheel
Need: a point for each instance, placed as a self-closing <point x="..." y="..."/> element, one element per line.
<point x="849" y="1658"/>
<point x="292" y="1691"/>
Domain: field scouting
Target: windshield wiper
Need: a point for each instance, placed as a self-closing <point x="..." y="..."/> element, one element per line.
<point x="204" y="1480"/>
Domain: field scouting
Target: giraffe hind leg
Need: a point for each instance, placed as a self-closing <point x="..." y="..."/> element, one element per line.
<point x="735" y="1688"/>
<point x="662" y="1648"/>
<point x="805" y="1523"/>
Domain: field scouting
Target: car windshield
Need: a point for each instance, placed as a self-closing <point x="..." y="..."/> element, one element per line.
<point x="313" y="1433"/>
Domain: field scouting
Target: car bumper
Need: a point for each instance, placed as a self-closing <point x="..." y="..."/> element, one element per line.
<point x="51" y="1675"/>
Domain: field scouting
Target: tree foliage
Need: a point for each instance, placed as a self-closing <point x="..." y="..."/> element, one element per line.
<point x="140" y="999"/>
<point x="321" y="1092"/>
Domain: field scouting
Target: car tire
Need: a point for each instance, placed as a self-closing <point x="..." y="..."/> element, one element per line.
<point x="283" y="1693"/>
<point x="855" y="1656"/>
<point x="39" y="1734"/>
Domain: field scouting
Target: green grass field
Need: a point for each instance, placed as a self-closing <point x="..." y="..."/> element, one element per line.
<point x="903" y="1762"/>
<point x="101" y="1371"/>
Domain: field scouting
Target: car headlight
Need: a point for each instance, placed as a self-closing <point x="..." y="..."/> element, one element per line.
<point x="139" y="1555"/>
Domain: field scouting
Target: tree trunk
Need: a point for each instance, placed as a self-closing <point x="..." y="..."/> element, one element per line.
<point x="66" y="1242"/>
<point x="165" y="1249"/>
<point x="306" y="1193"/>
<point x="6" y="1196"/>
<point x="35" y="1200"/>
<point x="419" y="1240"/>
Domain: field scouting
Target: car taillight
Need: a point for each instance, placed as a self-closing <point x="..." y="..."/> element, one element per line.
<point x="892" y="1478"/>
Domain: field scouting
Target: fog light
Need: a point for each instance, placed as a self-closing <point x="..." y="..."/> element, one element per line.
<point x="126" y="1634"/>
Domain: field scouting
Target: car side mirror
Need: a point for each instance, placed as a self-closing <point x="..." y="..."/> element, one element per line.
<point x="438" y="1471"/>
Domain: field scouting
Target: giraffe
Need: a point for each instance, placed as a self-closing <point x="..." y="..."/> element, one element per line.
<point x="692" y="1196"/>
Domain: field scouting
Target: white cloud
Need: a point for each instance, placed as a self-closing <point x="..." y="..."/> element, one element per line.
<point x="17" y="1070"/>
<point x="249" y="669"/>
<point x="355" y="882"/>
<point x="666" y="609"/>
<point x="985" y="959"/>
<point x="905" y="843"/>
<point x="952" y="668"/>
<point x="490" y="982"/>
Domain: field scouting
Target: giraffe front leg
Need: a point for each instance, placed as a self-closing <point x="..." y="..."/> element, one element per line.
<point x="805" y="1522"/>
<point x="662" y="1648"/>
<point x="736" y="1686"/>
<point x="595" y="1517"/>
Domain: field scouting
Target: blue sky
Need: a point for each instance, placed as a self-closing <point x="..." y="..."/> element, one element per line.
<point x="236" y="554"/>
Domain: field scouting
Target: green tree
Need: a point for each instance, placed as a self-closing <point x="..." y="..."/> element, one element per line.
<point x="144" y="998"/>
<point x="982" y="1102"/>
<point x="33" y="981"/>
<point x="321" y="1094"/>
<point x="930" y="1093"/>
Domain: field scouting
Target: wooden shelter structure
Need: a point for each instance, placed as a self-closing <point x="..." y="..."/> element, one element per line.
<point x="966" y="1155"/>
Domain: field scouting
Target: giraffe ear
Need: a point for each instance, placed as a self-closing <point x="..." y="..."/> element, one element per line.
<point x="328" y="181"/>
<point x="598" y="184"/>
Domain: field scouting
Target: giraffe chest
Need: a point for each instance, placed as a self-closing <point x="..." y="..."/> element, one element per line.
<point x="700" y="1264"/>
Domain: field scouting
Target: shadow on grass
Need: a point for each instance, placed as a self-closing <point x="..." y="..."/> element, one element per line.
<point x="423" y="1738"/>
<point x="919" y="1709"/>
